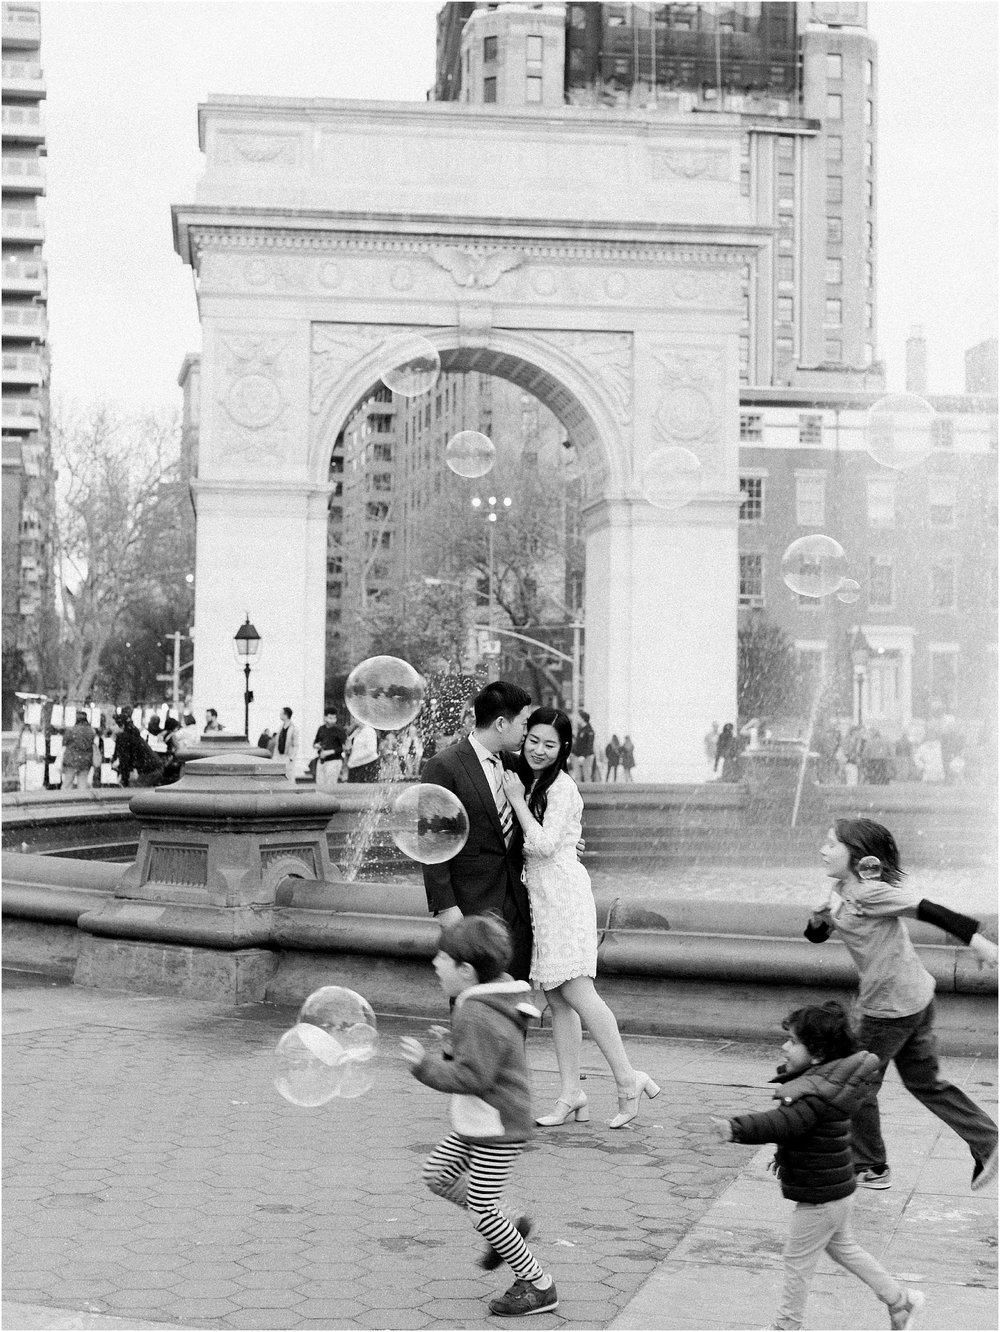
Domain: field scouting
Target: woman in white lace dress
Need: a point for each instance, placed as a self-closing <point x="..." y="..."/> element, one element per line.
<point x="547" y="804"/>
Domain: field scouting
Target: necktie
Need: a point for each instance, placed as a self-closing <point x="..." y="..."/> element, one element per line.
<point x="503" y="804"/>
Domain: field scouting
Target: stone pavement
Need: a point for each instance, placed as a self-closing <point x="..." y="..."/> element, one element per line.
<point x="154" y="1179"/>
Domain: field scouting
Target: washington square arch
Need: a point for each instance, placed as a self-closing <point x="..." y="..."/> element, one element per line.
<point x="593" y="258"/>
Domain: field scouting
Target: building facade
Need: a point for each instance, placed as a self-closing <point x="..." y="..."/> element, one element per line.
<point x="27" y="464"/>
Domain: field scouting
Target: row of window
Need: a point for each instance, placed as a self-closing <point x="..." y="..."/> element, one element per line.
<point x="835" y="108"/>
<point x="882" y="583"/>
<point x="810" y="428"/>
<point x="532" y="89"/>
<point x="810" y="500"/>
<point x="835" y="67"/>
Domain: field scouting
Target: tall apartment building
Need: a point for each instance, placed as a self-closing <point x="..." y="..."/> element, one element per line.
<point x="27" y="465"/>
<point x="799" y="80"/>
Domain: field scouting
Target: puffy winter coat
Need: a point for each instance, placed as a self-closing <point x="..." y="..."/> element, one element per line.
<point x="812" y="1127"/>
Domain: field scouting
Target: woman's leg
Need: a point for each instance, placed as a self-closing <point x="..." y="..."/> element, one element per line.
<point x="567" y="1036"/>
<point x="844" y="1249"/>
<point x="599" y="1020"/>
<point x="811" y="1229"/>
<point x="489" y="1170"/>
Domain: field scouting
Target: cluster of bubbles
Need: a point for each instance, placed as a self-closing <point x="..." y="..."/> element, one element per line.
<point x="325" y="1054"/>
<point x="815" y="566"/>
<point x="410" y="365"/>
<point x="427" y="822"/>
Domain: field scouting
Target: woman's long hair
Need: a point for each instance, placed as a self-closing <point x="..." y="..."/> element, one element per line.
<point x="563" y="727"/>
<point x="865" y="837"/>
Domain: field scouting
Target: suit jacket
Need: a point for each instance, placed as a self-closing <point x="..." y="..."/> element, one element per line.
<point x="485" y="872"/>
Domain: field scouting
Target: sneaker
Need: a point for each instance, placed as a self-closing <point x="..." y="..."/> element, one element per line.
<point x="524" y="1298"/>
<point x="870" y="1178"/>
<point x="491" y="1260"/>
<point x="905" y="1315"/>
<point x="985" y="1172"/>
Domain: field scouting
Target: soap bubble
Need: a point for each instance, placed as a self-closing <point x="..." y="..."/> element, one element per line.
<point x="307" y="1071"/>
<point x="343" y="1017"/>
<point x="813" y="566"/>
<point x="899" y="430"/>
<point x="470" y="454"/>
<point x="428" y="823"/>
<point x="869" y="868"/>
<point x="409" y="365"/>
<point x="671" y="477"/>
<point x="849" y="591"/>
<point x="384" y="692"/>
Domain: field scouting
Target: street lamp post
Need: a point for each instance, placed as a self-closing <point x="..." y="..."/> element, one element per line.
<point x="247" y="646"/>
<point x="860" y="654"/>
<point x="492" y="509"/>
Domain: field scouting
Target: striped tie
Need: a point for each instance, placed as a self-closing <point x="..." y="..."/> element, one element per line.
<point x="503" y="804"/>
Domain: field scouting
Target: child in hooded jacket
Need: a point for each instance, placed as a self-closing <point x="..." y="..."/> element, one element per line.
<point x="822" y="1076"/>
<point x="484" y="1068"/>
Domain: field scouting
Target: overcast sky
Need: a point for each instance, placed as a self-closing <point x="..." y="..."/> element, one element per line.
<point x="124" y="81"/>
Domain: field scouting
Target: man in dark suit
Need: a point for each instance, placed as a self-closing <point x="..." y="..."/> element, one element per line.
<point x="485" y="876"/>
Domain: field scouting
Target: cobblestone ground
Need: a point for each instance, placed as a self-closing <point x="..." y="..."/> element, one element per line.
<point x="153" y="1174"/>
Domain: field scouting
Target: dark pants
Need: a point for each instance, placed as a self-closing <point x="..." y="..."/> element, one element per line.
<point x="912" y="1046"/>
<point x="367" y="772"/>
<point x="520" y="933"/>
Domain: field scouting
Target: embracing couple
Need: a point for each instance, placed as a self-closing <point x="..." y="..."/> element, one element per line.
<point x="520" y="863"/>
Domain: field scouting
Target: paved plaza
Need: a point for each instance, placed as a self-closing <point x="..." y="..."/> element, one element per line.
<point x="154" y="1179"/>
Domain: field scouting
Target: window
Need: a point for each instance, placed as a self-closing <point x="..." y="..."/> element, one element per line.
<point x="786" y="148"/>
<point x="489" y="90"/>
<point x="751" y="499"/>
<point x="835" y="271"/>
<point x="869" y="315"/>
<point x="834" y="66"/>
<point x="941" y="495"/>
<point x="834" y="106"/>
<point x="943" y="583"/>
<point x="869" y="113"/>
<point x="744" y="357"/>
<point x="944" y="433"/>
<point x="382" y="481"/>
<point x="534" y="49"/>
<point x="377" y="509"/>
<point x="834" y="189"/>
<point x="751" y="580"/>
<point x="869" y="72"/>
<point x="786" y="228"/>
<point x="870" y="234"/>
<point x="751" y="427"/>
<point x="834" y="230"/>
<point x="382" y="453"/>
<point x="786" y="268"/>
<point x="833" y="350"/>
<point x="881" y="501"/>
<point x="533" y="89"/>
<point x="869" y="273"/>
<point x="942" y="676"/>
<point x="834" y="307"/>
<point x="834" y="148"/>
<point x="811" y="428"/>
<point x="869" y="154"/>
<point x="786" y="188"/>
<point x="870" y="193"/>
<point x="784" y="349"/>
<point x="786" y="309"/>
<point x="489" y="50"/>
<point x="810" y="499"/>
<point x="881" y="591"/>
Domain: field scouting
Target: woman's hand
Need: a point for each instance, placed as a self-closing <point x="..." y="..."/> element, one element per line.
<point x="513" y="787"/>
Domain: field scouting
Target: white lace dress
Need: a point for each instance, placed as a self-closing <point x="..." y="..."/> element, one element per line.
<point x="563" y="914"/>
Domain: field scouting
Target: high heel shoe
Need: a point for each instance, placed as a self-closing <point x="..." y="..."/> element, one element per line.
<point x="577" y="1109"/>
<point x="628" y="1106"/>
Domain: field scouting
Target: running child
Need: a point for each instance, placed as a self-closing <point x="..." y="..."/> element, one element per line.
<point x="822" y="1075"/>
<point x="483" y="1066"/>
<point x="896" y="995"/>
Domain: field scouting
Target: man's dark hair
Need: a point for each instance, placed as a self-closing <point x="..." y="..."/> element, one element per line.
<point x="212" y="712"/>
<point x="824" y="1029"/>
<point x="287" y="712"/>
<point x="482" y="941"/>
<point x="585" y="715"/>
<point x="499" y="699"/>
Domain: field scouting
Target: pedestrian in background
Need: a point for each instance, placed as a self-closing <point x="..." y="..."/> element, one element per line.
<point x="362" y="753"/>
<point x="286" y="745"/>
<point x="78" y="752"/>
<point x="133" y="754"/>
<point x="628" y="758"/>
<point x="613" y="754"/>
<point x="583" y="749"/>
<point x="329" y="747"/>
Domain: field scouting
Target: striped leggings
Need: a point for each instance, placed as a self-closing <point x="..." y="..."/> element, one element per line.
<point x="472" y="1175"/>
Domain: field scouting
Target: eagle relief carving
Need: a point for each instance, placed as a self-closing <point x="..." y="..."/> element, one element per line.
<point x="471" y="267"/>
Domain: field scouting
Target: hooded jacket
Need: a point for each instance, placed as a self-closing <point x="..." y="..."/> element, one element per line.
<point x="812" y="1127"/>
<point x="485" y="1069"/>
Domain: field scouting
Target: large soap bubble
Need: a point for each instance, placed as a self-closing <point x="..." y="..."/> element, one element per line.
<point x="428" y="823"/>
<point x="813" y="566"/>
<point x="409" y="365"/>
<point x="384" y="692"/>
<point x="899" y="430"/>
<point x="671" y="477"/>
<point x="849" y="591"/>
<point x="470" y="454"/>
<point x="337" y="1017"/>
<point x="306" y="1065"/>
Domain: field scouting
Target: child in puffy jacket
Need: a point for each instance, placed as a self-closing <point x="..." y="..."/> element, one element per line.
<point x="822" y="1076"/>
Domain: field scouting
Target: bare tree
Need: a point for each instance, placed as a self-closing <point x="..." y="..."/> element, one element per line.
<point x="124" y="531"/>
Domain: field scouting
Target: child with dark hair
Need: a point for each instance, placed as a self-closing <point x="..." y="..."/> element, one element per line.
<point x="821" y="1077"/>
<point x="896" y="998"/>
<point x="484" y="1068"/>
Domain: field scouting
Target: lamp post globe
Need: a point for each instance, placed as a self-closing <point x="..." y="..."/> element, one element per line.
<point x="247" y="645"/>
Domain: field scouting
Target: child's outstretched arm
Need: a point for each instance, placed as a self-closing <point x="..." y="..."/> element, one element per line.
<point x="785" y="1121"/>
<point x="962" y="927"/>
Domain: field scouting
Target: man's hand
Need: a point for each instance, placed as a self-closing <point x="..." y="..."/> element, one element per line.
<point x="448" y="917"/>
<point x="412" y="1050"/>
